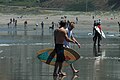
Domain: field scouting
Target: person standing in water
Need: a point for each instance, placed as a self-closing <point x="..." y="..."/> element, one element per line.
<point x="60" y="35"/>
<point x="42" y="25"/>
<point x="96" y="34"/>
<point x="119" y="26"/>
<point x="25" y="24"/>
<point x="69" y="29"/>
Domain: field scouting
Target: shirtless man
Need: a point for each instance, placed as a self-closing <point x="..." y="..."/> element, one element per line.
<point x="59" y="36"/>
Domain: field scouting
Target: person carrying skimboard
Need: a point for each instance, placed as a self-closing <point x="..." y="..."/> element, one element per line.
<point x="59" y="36"/>
<point x="97" y="32"/>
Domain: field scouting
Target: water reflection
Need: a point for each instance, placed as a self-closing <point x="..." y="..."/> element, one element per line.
<point x="42" y="33"/>
<point x="97" y="54"/>
<point x="25" y="32"/>
<point x="74" y="77"/>
<point x="18" y="59"/>
<point x="96" y="51"/>
<point x="64" y="77"/>
<point x="12" y="30"/>
<point x="58" y="77"/>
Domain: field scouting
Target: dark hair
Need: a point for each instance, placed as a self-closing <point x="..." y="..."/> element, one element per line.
<point x="62" y="23"/>
<point x="98" y="23"/>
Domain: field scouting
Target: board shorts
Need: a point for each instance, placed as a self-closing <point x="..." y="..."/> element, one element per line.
<point x="60" y="52"/>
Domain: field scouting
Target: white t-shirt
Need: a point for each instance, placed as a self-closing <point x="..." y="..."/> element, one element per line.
<point x="69" y="33"/>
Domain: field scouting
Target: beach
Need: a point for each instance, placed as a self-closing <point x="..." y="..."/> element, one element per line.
<point x="18" y="47"/>
<point x="85" y="21"/>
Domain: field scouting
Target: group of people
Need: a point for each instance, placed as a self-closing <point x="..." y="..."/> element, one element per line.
<point x="14" y="21"/>
<point x="62" y="36"/>
<point x="50" y="27"/>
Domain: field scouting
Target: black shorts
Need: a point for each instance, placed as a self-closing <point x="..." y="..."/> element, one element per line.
<point x="60" y="52"/>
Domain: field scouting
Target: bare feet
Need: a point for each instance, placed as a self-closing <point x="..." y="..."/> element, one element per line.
<point x="62" y="74"/>
<point x="76" y="71"/>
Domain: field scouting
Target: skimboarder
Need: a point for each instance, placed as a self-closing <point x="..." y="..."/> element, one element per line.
<point x="96" y="34"/>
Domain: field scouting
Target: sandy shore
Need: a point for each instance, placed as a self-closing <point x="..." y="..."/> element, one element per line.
<point x="18" y="60"/>
<point x="85" y="21"/>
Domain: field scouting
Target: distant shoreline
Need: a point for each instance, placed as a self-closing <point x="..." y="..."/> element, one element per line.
<point x="85" y="22"/>
<point x="24" y="10"/>
<point x="35" y="15"/>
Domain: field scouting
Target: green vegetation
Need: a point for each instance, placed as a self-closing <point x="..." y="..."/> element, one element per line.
<point x="115" y="4"/>
<point x="68" y="5"/>
<point x="18" y="2"/>
<point x="80" y="6"/>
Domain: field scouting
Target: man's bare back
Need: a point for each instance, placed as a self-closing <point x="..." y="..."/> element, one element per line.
<point x="60" y="35"/>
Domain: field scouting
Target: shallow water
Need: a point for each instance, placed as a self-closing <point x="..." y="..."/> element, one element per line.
<point x="18" y="59"/>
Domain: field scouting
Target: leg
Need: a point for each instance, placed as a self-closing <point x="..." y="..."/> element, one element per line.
<point x="95" y="39"/>
<point x="60" y="70"/>
<point x="55" y="69"/>
<point x="60" y="58"/>
<point x="98" y="42"/>
<point x="60" y="67"/>
<point x="99" y="38"/>
<point x="73" y="69"/>
<point x="51" y="56"/>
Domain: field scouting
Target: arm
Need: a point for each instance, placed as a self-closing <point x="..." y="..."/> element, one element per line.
<point x="55" y="35"/>
<point x="99" y="26"/>
<point x="93" y="31"/>
<point x="76" y="42"/>
<point x="68" y="39"/>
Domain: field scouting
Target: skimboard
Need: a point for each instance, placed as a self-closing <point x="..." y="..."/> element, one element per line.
<point x="48" y="56"/>
<point x="102" y="33"/>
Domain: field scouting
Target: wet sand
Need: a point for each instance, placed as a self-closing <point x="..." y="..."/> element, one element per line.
<point x="18" y="49"/>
